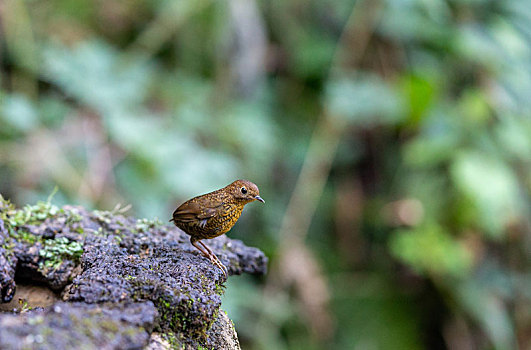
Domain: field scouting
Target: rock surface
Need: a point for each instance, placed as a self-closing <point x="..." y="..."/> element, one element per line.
<point x="79" y="326"/>
<point x="100" y="262"/>
<point x="8" y="262"/>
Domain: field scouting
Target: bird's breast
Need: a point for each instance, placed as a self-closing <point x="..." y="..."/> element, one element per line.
<point x="229" y="214"/>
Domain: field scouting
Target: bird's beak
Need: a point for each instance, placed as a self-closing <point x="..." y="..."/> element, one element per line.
<point x="258" y="198"/>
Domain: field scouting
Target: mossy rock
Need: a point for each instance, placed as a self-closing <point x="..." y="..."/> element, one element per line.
<point x="105" y="258"/>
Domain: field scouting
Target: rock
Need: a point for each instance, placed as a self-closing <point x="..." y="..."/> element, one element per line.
<point x="80" y="326"/>
<point x="184" y="286"/>
<point x="8" y="262"/>
<point x="158" y="342"/>
<point x="105" y="260"/>
<point x="222" y="334"/>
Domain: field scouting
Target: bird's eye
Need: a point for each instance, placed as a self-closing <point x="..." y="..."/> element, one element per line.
<point x="244" y="190"/>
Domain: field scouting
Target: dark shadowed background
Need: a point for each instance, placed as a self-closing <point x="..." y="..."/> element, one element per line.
<point x="391" y="140"/>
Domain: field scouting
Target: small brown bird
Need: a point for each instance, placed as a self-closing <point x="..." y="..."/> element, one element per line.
<point x="213" y="214"/>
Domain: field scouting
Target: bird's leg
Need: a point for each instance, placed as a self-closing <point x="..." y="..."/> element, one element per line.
<point x="209" y="254"/>
<point x="206" y="247"/>
<point x="217" y="262"/>
<point x="205" y="253"/>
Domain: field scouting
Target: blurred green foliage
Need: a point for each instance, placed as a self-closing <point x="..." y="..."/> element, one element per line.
<point x="421" y="236"/>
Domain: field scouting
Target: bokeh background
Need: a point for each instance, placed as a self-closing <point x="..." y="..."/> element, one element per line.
<point x="391" y="140"/>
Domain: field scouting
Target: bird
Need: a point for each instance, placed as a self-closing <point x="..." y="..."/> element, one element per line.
<point x="213" y="214"/>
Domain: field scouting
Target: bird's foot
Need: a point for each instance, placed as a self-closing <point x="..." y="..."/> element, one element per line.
<point x="207" y="252"/>
<point x="215" y="260"/>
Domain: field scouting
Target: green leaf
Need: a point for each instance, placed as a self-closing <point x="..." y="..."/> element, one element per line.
<point x="419" y="93"/>
<point x="492" y="187"/>
<point x="364" y="101"/>
<point x="432" y="251"/>
<point x="95" y="74"/>
<point x="18" y="112"/>
<point x="513" y="135"/>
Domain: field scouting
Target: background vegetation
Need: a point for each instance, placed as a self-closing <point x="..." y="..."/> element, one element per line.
<point x="391" y="140"/>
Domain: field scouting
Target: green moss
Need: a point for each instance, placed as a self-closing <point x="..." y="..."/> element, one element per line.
<point x="109" y="325"/>
<point x="30" y="214"/>
<point x="47" y="332"/>
<point x="27" y="237"/>
<point x="56" y="250"/>
<point x="5" y="207"/>
<point x="23" y="305"/>
<point x="102" y="216"/>
<point x="176" y="317"/>
<point x="220" y="289"/>
<point x="132" y="332"/>
<point x="87" y="323"/>
<point x="34" y="321"/>
<point x="72" y="216"/>
<point x="8" y="246"/>
<point x="144" y="225"/>
<point x="99" y="232"/>
<point x="174" y="340"/>
<point x="9" y="255"/>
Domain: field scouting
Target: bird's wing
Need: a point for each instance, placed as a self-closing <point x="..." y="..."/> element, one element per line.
<point x="192" y="211"/>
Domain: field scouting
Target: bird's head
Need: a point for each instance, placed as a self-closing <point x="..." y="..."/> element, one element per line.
<point x="245" y="191"/>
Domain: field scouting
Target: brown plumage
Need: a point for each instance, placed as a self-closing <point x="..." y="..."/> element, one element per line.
<point x="213" y="214"/>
